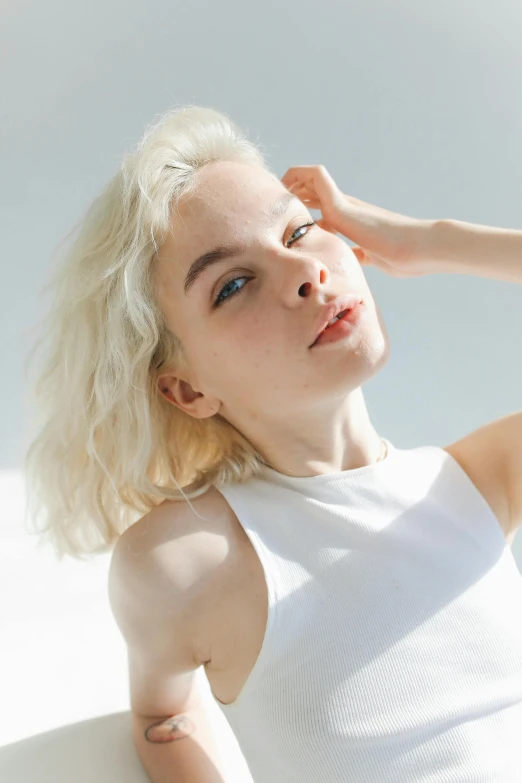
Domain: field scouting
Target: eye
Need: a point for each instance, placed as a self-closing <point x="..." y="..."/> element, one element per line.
<point x="220" y="298"/>
<point x="291" y="241"/>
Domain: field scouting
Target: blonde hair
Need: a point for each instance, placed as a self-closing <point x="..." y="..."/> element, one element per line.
<point x="109" y="446"/>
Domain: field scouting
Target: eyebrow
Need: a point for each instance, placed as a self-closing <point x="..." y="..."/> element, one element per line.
<point x="231" y="250"/>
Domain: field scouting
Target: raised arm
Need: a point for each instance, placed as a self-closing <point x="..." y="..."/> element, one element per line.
<point x="494" y="253"/>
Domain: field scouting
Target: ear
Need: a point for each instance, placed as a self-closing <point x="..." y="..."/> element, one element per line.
<point x="181" y="394"/>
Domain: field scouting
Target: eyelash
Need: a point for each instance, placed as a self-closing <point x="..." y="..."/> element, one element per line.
<point x="218" y="301"/>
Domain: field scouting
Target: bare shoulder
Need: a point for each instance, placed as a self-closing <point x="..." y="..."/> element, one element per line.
<point x="168" y="563"/>
<point x="175" y="544"/>
<point x="482" y="456"/>
<point x="166" y="571"/>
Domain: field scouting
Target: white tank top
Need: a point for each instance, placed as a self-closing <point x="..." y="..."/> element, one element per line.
<point x="393" y="647"/>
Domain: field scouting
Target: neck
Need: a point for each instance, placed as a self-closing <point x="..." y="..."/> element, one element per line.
<point x="296" y="448"/>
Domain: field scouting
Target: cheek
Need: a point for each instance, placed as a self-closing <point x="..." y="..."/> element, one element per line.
<point x="354" y="268"/>
<point x="337" y="255"/>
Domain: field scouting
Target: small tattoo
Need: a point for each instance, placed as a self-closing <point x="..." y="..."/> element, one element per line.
<point x="176" y="728"/>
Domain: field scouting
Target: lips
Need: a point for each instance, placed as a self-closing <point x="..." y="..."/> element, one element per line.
<point x="332" y="309"/>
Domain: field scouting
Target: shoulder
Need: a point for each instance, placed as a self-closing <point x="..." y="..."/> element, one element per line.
<point x="482" y="454"/>
<point x="164" y="574"/>
<point x="167" y="562"/>
<point x="173" y="541"/>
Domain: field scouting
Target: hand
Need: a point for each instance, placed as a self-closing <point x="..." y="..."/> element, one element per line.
<point x="395" y="244"/>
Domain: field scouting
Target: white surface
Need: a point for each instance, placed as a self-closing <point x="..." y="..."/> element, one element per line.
<point x="63" y="657"/>
<point x="96" y="751"/>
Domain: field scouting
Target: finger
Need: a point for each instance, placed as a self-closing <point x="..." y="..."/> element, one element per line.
<point x="302" y="191"/>
<point x="305" y="195"/>
<point x="326" y="226"/>
<point x="317" y="178"/>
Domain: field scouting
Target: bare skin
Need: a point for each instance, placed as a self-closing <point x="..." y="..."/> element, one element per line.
<point x="170" y="730"/>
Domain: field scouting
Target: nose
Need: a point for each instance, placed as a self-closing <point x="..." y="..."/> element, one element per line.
<point x="301" y="275"/>
<point x="306" y="288"/>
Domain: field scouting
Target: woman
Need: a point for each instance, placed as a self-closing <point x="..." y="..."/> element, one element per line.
<point x="354" y="604"/>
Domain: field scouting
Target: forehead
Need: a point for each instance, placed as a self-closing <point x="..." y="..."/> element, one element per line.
<point x="229" y="199"/>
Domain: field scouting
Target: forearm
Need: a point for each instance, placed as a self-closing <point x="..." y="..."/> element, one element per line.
<point x="473" y="249"/>
<point x="180" y="749"/>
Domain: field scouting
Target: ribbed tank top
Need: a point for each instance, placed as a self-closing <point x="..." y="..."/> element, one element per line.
<point x="393" y="647"/>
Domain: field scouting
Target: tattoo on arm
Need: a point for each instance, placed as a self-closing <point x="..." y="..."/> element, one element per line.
<point x="171" y="729"/>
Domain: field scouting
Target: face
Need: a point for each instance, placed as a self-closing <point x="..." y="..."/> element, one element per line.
<point x="247" y="322"/>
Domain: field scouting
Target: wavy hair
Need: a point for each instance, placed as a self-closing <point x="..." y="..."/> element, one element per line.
<point x="108" y="446"/>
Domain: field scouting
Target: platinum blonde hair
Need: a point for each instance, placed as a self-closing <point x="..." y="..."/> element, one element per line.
<point x="109" y="447"/>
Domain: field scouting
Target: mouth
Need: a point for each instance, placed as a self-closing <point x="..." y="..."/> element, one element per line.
<point x="336" y="311"/>
<point x="337" y="318"/>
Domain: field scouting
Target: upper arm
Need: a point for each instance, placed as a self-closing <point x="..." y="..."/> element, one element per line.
<point x="153" y="584"/>
<point x="492" y="457"/>
<point x="509" y="433"/>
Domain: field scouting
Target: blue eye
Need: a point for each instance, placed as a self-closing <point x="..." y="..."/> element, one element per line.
<point x="220" y="298"/>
